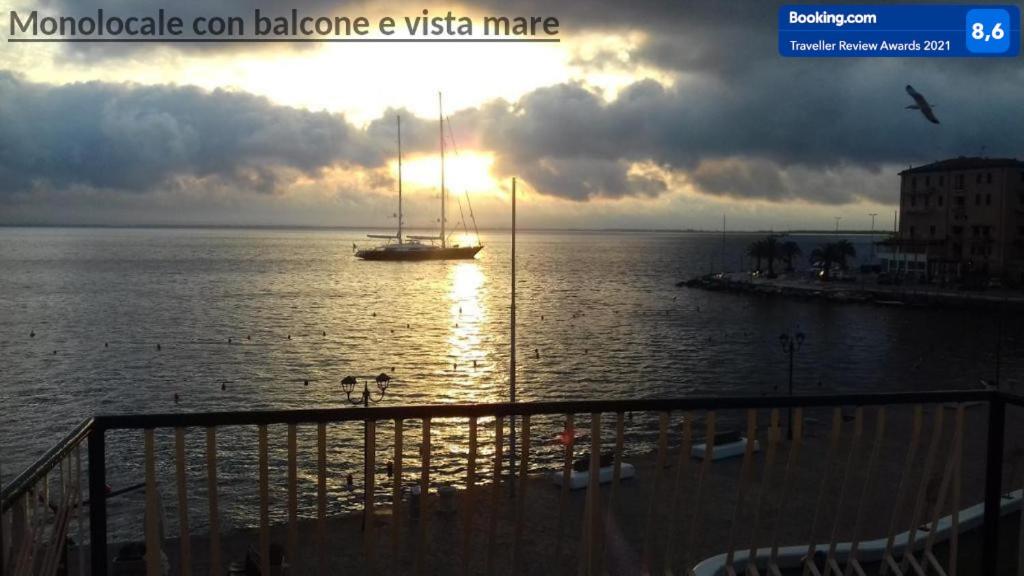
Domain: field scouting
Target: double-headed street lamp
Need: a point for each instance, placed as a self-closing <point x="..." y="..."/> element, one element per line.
<point x="364" y="398"/>
<point x="790" y="344"/>
<point x="348" y="384"/>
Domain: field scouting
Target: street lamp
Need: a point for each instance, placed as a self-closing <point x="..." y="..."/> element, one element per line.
<point x="348" y="384"/>
<point x="790" y="344"/>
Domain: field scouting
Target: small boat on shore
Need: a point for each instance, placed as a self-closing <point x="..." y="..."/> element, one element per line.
<point x="579" y="477"/>
<point x="728" y="444"/>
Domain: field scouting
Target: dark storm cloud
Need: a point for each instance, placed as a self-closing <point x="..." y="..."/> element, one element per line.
<point x="138" y="138"/>
<point x="739" y="122"/>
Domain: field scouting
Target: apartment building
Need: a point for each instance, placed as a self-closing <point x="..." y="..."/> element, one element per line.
<point x="960" y="218"/>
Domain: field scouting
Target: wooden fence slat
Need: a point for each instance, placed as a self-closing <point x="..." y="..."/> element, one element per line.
<point x="766" y="482"/>
<point x="844" y="488"/>
<point x="940" y="502"/>
<point x="424" y="521"/>
<point x="568" y="441"/>
<point x="370" y="464"/>
<point x="153" y="557"/>
<point x="78" y="509"/>
<point x="396" y="498"/>
<point x="853" y="563"/>
<point x="595" y="535"/>
<point x="264" y="488"/>
<point x="677" y="503"/>
<point x="617" y="464"/>
<point x="835" y="436"/>
<point x="958" y="453"/>
<point x="492" y="528"/>
<point x="321" y="497"/>
<point x="216" y="566"/>
<point x="185" y="561"/>
<point x="293" y="498"/>
<point x="901" y="491"/>
<point x="524" y="468"/>
<point x="741" y="489"/>
<point x="468" y="506"/>
<point x="705" y="468"/>
<point x="655" y="504"/>
<point x="922" y="491"/>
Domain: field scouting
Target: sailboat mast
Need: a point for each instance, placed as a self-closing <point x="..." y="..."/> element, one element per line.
<point x="440" y="118"/>
<point x="399" y="179"/>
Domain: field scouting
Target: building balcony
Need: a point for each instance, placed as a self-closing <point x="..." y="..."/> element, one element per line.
<point x="812" y="483"/>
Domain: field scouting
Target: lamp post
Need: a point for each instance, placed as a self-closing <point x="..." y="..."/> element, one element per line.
<point x="790" y="344"/>
<point x="364" y="398"/>
<point x="873" y="214"/>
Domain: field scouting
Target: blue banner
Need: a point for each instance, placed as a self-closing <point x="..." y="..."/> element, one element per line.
<point x="904" y="30"/>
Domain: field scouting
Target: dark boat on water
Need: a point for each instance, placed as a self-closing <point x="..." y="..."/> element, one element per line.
<point x="418" y="251"/>
<point x="419" y="248"/>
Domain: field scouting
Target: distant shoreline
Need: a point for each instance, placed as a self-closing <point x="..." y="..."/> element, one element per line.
<point x="482" y="229"/>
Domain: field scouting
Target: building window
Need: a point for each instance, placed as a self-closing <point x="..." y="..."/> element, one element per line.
<point x="940" y="200"/>
<point x="977" y="179"/>
<point x="927" y="181"/>
<point x="960" y="229"/>
<point x="974" y="231"/>
<point x="959" y="181"/>
<point x="977" y="199"/>
<point x="988" y="199"/>
<point x="959" y="200"/>
<point x="913" y="200"/>
<point x="926" y="200"/>
<point x="988" y="177"/>
<point x="942" y="180"/>
<point x="912" y="231"/>
<point x="931" y="230"/>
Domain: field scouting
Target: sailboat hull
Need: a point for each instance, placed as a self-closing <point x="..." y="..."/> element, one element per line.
<point x="425" y="253"/>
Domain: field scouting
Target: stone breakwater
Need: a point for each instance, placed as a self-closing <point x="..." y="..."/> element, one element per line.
<point x="858" y="292"/>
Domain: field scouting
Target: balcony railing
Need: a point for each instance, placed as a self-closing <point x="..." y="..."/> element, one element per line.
<point x="815" y="474"/>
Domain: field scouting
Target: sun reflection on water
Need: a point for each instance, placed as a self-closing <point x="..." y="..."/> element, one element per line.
<point x="472" y="372"/>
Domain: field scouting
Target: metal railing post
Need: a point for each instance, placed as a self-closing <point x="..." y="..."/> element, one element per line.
<point x="993" y="483"/>
<point x="97" y="503"/>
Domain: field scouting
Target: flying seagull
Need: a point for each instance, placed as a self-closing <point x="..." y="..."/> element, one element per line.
<point x="921" y="104"/>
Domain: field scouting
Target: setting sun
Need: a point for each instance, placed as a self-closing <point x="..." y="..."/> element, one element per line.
<point x="469" y="172"/>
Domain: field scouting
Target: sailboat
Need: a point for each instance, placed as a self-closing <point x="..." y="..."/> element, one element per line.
<point x="415" y="248"/>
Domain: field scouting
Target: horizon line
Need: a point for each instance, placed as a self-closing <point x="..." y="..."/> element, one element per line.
<point x="484" y="229"/>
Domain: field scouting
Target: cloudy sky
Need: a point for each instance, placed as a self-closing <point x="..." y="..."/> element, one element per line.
<point x="648" y="114"/>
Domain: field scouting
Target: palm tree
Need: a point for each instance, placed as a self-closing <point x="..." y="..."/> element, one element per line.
<point x="790" y="250"/>
<point x="833" y="253"/>
<point x="771" y="252"/>
<point x="756" y="250"/>
<point x="843" y="250"/>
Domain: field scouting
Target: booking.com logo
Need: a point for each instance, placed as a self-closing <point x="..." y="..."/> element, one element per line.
<point x="825" y="17"/>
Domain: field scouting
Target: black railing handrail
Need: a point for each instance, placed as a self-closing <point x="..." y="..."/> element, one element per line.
<point x="31" y="475"/>
<point x="349" y="414"/>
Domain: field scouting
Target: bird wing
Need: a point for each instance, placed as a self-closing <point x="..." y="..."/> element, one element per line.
<point x="929" y="114"/>
<point x="917" y="96"/>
